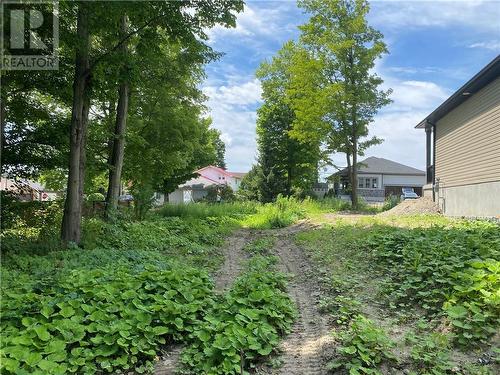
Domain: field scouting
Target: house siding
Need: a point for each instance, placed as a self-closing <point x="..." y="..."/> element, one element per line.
<point x="468" y="140"/>
<point x="402" y="180"/>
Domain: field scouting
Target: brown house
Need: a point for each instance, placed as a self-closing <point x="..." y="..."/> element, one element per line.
<point x="463" y="148"/>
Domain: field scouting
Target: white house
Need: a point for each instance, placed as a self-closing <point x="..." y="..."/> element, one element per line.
<point x="196" y="188"/>
<point x="379" y="178"/>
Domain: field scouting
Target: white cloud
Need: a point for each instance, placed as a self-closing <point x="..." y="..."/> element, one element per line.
<point x="493" y="45"/>
<point x="395" y="124"/>
<point x="240" y="95"/>
<point x="265" y="20"/>
<point x="483" y="15"/>
<point x="414" y="95"/>
<point x="233" y="113"/>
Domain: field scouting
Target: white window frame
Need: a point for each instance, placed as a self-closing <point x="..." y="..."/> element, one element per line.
<point x="362" y="182"/>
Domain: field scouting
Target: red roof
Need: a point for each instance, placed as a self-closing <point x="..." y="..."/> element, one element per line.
<point x="223" y="171"/>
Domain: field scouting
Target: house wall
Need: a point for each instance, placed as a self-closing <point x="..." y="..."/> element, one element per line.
<point x="222" y="178"/>
<point x="215" y="175"/>
<point x="403" y="180"/>
<point x="468" y="140"/>
<point x="176" y="197"/>
<point x="476" y="200"/>
<point x="468" y="156"/>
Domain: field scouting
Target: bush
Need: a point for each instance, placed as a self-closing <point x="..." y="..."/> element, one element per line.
<point x="222" y="193"/>
<point x="280" y="214"/>
<point x="204" y="210"/>
<point x="95" y="197"/>
<point x="390" y="202"/>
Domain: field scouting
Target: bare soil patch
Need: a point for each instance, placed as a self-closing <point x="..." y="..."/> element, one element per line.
<point x="307" y="348"/>
<point x="422" y="205"/>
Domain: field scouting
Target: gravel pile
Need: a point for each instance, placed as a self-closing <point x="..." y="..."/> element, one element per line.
<point x="413" y="206"/>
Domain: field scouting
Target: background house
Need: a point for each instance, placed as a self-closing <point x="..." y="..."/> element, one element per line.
<point x="197" y="188"/>
<point x="27" y="190"/>
<point x="463" y="147"/>
<point x="379" y="178"/>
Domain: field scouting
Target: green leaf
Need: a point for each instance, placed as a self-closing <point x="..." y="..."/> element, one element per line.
<point x="67" y="311"/>
<point x="42" y="333"/>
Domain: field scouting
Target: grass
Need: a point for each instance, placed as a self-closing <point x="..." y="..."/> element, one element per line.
<point x="204" y="210"/>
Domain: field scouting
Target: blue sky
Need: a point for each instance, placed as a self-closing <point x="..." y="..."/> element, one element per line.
<point x="435" y="47"/>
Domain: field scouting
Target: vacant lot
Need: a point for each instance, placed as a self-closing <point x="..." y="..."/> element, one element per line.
<point x="232" y="288"/>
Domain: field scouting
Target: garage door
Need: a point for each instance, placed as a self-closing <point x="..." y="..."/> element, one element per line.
<point x="396" y="190"/>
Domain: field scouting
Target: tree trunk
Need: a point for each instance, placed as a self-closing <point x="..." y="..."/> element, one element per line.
<point x="117" y="152"/>
<point x="349" y="171"/>
<point x="354" y="174"/>
<point x="71" y="223"/>
<point x="2" y="124"/>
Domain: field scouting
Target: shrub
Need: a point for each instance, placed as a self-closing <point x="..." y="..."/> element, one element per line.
<point x="280" y="214"/>
<point x="390" y="202"/>
<point x="204" y="210"/>
<point x="222" y="193"/>
<point x="95" y="197"/>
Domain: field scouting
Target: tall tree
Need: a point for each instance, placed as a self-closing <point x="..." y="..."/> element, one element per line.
<point x="179" y="20"/>
<point x="220" y="149"/>
<point x="334" y="92"/>
<point x="71" y="224"/>
<point x="287" y="165"/>
<point x="117" y="144"/>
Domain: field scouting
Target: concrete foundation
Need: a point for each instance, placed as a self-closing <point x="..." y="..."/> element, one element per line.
<point x="478" y="200"/>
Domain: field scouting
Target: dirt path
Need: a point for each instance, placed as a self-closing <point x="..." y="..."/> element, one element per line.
<point x="306" y="349"/>
<point x="233" y="254"/>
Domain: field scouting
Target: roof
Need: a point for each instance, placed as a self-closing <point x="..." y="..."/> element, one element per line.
<point x="487" y="75"/>
<point x="200" y="180"/>
<point x="237" y="174"/>
<point x="223" y="171"/>
<point x="373" y="165"/>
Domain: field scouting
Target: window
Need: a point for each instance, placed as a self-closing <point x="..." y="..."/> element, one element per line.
<point x="367" y="183"/>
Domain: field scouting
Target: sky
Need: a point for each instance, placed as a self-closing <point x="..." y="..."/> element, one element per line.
<point x="434" y="48"/>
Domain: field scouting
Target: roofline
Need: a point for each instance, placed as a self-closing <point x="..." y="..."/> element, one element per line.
<point x="422" y="173"/>
<point x="219" y="169"/>
<point x="487" y="75"/>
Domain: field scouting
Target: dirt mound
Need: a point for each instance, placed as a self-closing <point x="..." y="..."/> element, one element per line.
<point x="422" y="205"/>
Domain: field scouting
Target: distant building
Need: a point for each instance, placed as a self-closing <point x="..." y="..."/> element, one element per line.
<point x="26" y="190"/>
<point x="378" y="178"/>
<point x="197" y="188"/>
<point x="463" y="148"/>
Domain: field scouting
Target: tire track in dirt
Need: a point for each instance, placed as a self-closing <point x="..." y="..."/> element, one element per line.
<point x="234" y="255"/>
<point x="306" y="349"/>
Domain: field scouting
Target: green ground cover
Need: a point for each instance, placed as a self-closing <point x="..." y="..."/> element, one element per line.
<point x="433" y="278"/>
<point x="133" y="287"/>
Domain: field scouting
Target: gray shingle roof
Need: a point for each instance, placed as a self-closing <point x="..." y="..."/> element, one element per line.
<point x="375" y="165"/>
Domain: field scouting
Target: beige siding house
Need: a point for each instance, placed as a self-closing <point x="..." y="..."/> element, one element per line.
<point x="463" y="148"/>
<point x="379" y="178"/>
